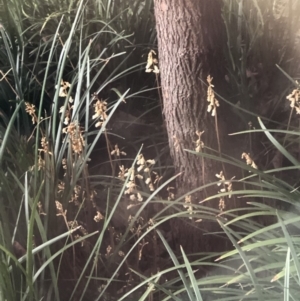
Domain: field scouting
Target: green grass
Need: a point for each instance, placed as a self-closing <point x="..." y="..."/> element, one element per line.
<point x="58" y="213"/>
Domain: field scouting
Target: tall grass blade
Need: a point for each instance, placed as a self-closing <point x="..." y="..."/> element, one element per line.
<point x="291" y="248"/>
<point x="191" y="276"/>
<point x="177" y="264"/>
<point x="8" y="131"/>
<point x="278" y="145"/>
<point x="286" y="296"/>
<point x="254" y="280"/>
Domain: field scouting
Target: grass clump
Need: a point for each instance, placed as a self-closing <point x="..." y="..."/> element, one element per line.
<point x="81" y="220"/>
<point x="48" y="135"/>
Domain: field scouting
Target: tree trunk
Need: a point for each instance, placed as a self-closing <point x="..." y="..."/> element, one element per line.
<point x="189" y="41"/>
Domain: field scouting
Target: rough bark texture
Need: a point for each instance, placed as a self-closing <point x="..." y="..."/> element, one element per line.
<point x="189" y="39"/>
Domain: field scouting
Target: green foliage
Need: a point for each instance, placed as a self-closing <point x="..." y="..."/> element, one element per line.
<point x="59" y="60"/>
<point x="260" y="34"/>
<point x="54" y="66"/>
<point x="263" y="263"/>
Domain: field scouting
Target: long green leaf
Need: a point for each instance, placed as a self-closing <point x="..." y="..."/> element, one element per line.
<point x="176" y="264"/>
<point x="278" y="145"/>
<point x="253" y="278"/>
<point x="191" y="276"/>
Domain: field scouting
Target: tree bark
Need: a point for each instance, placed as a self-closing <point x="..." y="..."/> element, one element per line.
<point x="189" y="42"/>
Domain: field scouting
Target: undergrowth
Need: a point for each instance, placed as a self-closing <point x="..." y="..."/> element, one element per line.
<point x="82" y="218"/>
